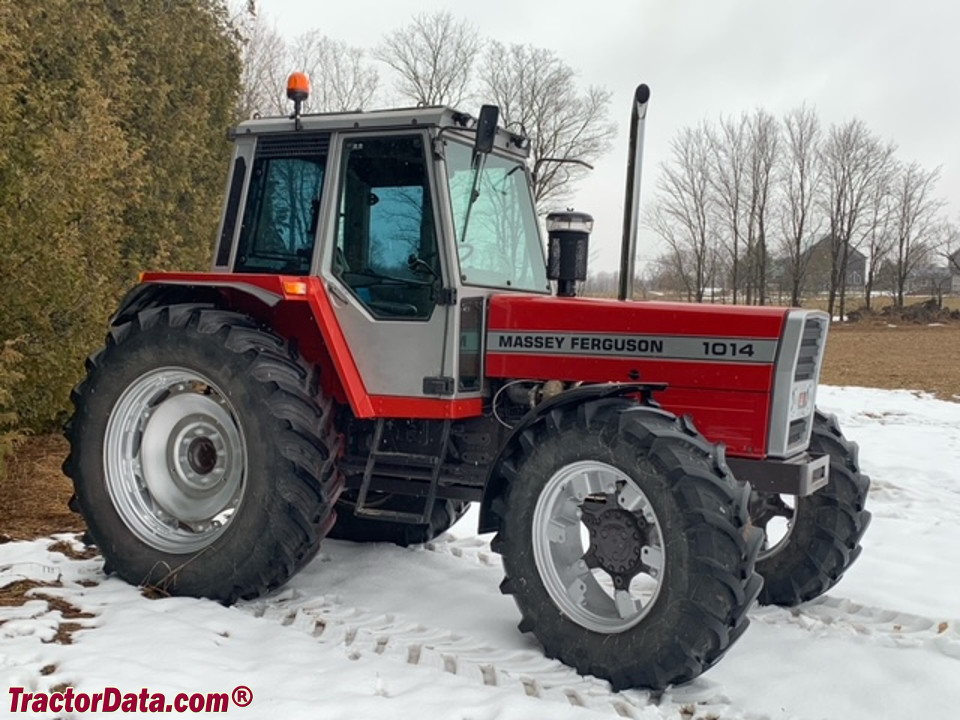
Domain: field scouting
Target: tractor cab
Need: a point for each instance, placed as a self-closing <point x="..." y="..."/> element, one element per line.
<point x="409" y="217"/>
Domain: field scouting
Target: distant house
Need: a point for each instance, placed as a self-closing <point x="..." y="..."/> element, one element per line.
<point x="931" y="280"/>
<point x="819" y="262"/>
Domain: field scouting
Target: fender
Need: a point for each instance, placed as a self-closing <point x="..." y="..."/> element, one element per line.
<point x="152" y="294"/>
<point x="264" y="298"/>
<point x="496" y="483"/>
<point x="297" y="308"/>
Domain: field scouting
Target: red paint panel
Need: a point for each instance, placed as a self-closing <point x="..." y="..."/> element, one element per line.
<point x="534" y="312"/>
<point x="687" y="373"/>
<point x="738" y="419"/>
<point x="426" y="408"/>
<point x="338" y="349"/>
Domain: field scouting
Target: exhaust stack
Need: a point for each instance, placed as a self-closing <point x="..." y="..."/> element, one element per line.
<point x="631" y="208"/>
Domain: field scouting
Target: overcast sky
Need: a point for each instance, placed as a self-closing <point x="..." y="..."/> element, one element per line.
<point x="894" y="64"/>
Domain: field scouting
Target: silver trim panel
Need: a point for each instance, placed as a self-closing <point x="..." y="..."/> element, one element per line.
<point x="784" y="385"/>
<point x="671" y="347"/>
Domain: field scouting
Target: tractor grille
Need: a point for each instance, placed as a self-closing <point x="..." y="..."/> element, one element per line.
<point x="809" y="355"/>
<point x="797" y="432"/>
<point x="795" y="382"/>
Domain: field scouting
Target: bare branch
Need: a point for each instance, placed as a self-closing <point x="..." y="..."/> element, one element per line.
<point x="339" y="75"/>
<point x="340" y="78"/>
<point x="537" y="93"/>
<point x="801" y="175"/>
<point x="433" y="57"/>
<point x="681" y="213"/>
<point x="949" y="246"/>
<point x="915" y="215"/>
<point x="764" y="154"/>
<point x="854" y="161"/>
<point x="264" y="72"/>
<point x="728" y="178"/>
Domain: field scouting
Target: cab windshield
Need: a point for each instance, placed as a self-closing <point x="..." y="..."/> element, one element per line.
<point x="497" y="239"/>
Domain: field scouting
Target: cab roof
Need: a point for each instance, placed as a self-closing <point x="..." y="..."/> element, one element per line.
<point x="437" y="117"/>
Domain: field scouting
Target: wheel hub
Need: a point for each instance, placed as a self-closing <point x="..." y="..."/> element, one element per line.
<point x="187" y="452"/>
<point x="197" y="455"/>
<point x="617" y="538"/>
<point x="174" y="459"/>
<point x="202" y="455"/>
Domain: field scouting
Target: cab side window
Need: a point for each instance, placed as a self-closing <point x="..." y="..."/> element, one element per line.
<point x="386" y="240"/>
<point x="283" y="200"/>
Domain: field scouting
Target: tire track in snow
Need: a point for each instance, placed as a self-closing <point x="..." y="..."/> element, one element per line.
<point x="471" y="548"/>
<point x="825" y="616"/>
<point x="842" y="618"/>
<point x="363" y="634"/>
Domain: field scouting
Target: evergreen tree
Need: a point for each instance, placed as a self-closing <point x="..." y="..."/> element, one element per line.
<point x="113" y="117"/>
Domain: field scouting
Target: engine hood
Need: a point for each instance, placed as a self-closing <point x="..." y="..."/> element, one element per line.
<point x="719" y="362"/>
<point x="595" y="340"/>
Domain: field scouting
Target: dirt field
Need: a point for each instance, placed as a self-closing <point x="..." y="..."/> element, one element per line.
<point x="34" y="495"/>
<point x="916" y="357"/>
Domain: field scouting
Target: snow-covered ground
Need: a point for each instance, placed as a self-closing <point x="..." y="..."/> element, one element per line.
<point x="375" y="631"/>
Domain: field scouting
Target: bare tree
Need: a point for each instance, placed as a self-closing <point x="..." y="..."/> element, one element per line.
<point x="262" y="79"/>
<point x="744" y="155"/>
<point x="728" y="178"/>
<point x="681" y="213"/>
<point x="800" y="181"/>
<point x="915" y="215"/>
<point x="949" y="245"/>
<point x="537" y="93"/>
<point x="764" y="145"/>
<point x="854" y="161"/>
<point x="879" y="239"/>
<point x="341" y="79"/>
<point x="433" y="57"/>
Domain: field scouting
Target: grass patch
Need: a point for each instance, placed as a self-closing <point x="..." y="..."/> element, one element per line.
<point x="16" y="594"/>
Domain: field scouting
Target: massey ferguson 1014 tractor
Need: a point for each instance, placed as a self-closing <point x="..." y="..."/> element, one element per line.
<point x="379" y="343"/>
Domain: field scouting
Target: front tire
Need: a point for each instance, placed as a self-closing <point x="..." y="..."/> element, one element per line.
<point x="663" y="589"/>
<point x="201" y="458"/>
<point x="823" y="530"/>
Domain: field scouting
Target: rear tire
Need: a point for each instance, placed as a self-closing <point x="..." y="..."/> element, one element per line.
<point x="201" y="457"/>
<point x="360" y="529"/>
<point x="825" y="528"/>
<point x="668" y="527"/>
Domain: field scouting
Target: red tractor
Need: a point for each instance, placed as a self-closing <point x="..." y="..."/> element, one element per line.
<point x="378" y="344"/>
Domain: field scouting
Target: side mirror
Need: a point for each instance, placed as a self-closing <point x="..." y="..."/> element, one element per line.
<point x="486" y="128"/>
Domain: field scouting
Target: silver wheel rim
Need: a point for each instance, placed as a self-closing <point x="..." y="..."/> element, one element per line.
<point x="584" y="592"/>
<point x="175" y="460"/>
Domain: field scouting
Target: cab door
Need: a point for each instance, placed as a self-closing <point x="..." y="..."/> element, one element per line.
<point x="385" y="270"/>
